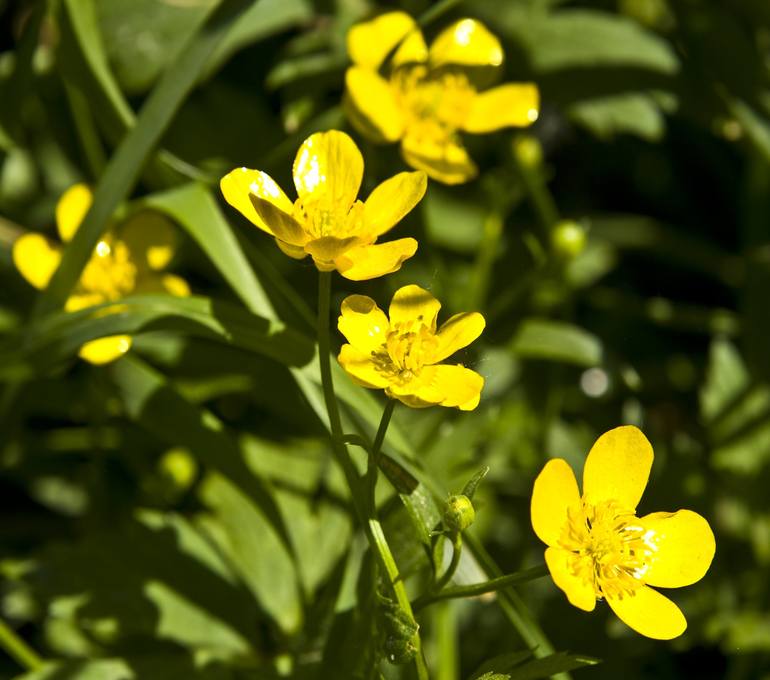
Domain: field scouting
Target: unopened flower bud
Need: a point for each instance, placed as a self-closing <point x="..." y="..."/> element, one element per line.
<point x="459" y="513"/>
<point x="568" y="239"/>
<point x="528" y="151"/>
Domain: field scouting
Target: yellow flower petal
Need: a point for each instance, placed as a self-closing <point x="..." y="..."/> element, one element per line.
<point x="618" y="467"/>
<point x="446" y="161"/>
<point x="392" y="200"/>
<point x="281" y="224"/>
<point x="327" y="249"/>
<point x="449" y="385"/>
<point x="555" y="491"/>
<point x="71" y="209"/>
<point x="412" y="302"/>
<point x="359" y="366"/>
<point x="649" y="613"/>
<point x="579" y="591"/>
<point x="239" y="184"/>
<point x="36" y="258"/>
<point x="511" y="105"/>
<point x="297" y="252"/>
<point x="371" y="107"/>
<point x="151" y="238"/>
<point x="327" y="172"/>
<point x="371" y="41"/>
<point x="175" y="285"/>
<point x="467" y="43"/>
<point x="363" y="323"/>
<point x="79" y="301"/>
<point x="471" y="404"/>
<point x="684" y="548"/>
<point x="104" y="350"/>
<point x="457" y="332"/>
<point x="369" y="262"/>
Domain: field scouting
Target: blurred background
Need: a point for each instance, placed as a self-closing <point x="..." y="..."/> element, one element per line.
<point x="619" y="249"/>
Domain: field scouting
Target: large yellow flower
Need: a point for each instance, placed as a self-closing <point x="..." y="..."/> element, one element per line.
<point x="429" y="96"/>
<point x="327" y="221"/>
<point x="599" y="549"/>
<point x="402" y="354"/>
<point x="127" y="260"/>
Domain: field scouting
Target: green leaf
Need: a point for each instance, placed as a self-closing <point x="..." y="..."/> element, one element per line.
<point x="179" y="423"/>
<point x="252" y="546"/>
<point x="516" y="665"/>
<point x="631" y="113"/>
<point x="125" y="165"/>
<point x="195" y="209"/>
<point x="59" y="337"/>
<point x="582" y="38"/>
<point x="557" y="341"/>
<point x="452" y="220"/>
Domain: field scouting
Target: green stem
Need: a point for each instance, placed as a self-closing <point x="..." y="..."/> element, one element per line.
<point x="476" y="589"/>
<point x="18" y="649"/>
<point x="375" y="455"/>
<point x="372" y="528"/>
<point x="457" y="551"/>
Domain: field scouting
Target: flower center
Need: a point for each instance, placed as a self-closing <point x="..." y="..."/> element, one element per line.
<point x="611" y="549"/>
<point x="436" y="104"/>
<point x="410" y="345"/>
<point x="110" y="273"/>
<point x="325" y="218"/>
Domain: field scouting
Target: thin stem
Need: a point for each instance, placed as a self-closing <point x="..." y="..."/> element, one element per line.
<point x="372" y="528"/>
<point x="476" y="589"/>
<point x="457" y="551"/>
<point x="375" y="455"/>
<point x="18" y="649"/>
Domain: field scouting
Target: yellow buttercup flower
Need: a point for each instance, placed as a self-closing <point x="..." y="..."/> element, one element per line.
<point x="327" y="221"/>
<point x="401" y="354"/>
<point x="599" y="549"/>
<point x="429" y="96"/>
<point x="127" y="260"/>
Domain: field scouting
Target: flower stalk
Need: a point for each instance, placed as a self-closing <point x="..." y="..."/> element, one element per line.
<point x="372" y="528"/>
<point x="17" y="649"/>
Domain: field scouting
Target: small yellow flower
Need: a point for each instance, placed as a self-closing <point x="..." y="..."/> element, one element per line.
<point x="599" y="549"/>
<point x="402" y="354"/>
<point x="327" y="221"/>
<point x="429" y="96"/>
<point x="127" y="260"/>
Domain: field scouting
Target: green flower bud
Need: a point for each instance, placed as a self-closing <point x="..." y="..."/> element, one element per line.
<point x="179" y="467"/>
<point x="568" y="239"/>
<point x="459" y="513"/>
<point x="528" y="151"/>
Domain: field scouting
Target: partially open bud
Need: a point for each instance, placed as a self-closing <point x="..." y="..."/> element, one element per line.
<point x="459" y="513"/>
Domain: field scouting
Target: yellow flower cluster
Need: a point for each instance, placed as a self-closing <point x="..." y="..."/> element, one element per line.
<point x="129" y="259"/>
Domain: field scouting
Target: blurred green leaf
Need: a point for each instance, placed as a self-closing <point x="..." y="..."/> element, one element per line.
<point x="59" y="337"/>
<point x="194" y="208"/>
<point x="633" y="113"/>
<point x="516" y="666"/>
<point x="557" y="341"/>
<point x="584" y="38"/>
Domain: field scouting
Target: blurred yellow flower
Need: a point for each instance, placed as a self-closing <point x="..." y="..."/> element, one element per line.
<point x="429" y="95"/>
<point x="127" y="260"/>
<point x="402" y="354"/>
<point x="599" y="549"/>
<point x="327" y="221"/>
